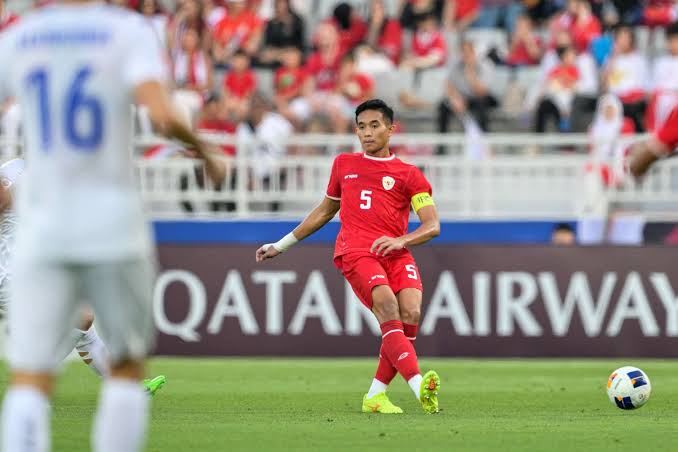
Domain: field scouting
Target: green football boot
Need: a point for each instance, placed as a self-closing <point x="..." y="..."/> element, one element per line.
<point x="428" y="392"/>
<point x="380" y="404"/>
<point x="153" y="385"/>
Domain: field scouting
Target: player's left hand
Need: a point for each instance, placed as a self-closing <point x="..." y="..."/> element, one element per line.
<point x="384" y="245"/>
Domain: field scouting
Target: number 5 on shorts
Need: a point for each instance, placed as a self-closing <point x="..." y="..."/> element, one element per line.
<point x="411" y="271"/>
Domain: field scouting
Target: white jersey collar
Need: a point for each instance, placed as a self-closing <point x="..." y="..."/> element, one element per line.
<point x="381" y="159"/>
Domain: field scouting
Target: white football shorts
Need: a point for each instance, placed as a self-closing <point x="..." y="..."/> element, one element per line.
<point x="45" y="307"/>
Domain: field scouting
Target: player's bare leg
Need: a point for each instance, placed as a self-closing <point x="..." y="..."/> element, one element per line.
<point x="122" y="414"/>
<point x="26" y="412"/>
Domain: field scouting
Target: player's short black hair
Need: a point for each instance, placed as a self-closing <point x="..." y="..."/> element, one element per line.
<point x="375" y="104"/>
<point x="563" y="227"/>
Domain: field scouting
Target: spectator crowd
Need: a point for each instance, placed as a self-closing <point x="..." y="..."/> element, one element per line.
<point x="239" y="66"/>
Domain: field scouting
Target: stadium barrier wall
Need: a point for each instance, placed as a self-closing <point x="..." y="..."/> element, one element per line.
<point x="484" y="301"/>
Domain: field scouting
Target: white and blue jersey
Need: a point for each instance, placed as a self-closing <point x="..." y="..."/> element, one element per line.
<point x="73" y="69"/>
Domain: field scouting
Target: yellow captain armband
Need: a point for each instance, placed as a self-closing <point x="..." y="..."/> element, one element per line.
<point x="421" y="200"/>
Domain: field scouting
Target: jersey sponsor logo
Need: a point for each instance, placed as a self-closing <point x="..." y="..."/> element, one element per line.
<point x="351" y="176"/>
<point x="403" y="356"/>
<point x="387" y="182"/>
<point x="377" y="277"/>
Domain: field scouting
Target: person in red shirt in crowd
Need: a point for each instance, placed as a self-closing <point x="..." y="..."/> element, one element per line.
<point x="241" y="29"/>
<point x="288" y="83"/>
<point x="356" y="87"/>
<point x="322" y="72"/>
<point x="351" y="27"/>
<point x="458" y="15"/>
<point x="384" y="34"/>
<point x="526" y="47"/>
<point x="290" y="78"/>
<point x="239" y="84"/>
<point x="585" y="28"/>
<point x="373" y="192"/>
<point x="559" y="92"/>
<point x="660" y="13"/>
<point x="323" y="65"/>
<point x="579" y="22"/>
<point x="428" y="48"/>
<point x="6" y="18"/>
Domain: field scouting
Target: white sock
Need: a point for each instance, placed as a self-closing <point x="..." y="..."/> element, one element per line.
<point x="92" y="349"/>
<point x="122" y="417"/>
<point x="415" y="384"/>
<point x="25" y="420"/>
<point x="376" y="388"/>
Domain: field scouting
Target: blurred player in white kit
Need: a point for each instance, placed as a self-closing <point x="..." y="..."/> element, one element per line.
<point x="74" y="69"/>
<point x="84" y="338"/>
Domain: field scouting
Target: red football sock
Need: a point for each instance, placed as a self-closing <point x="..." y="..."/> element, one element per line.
<point x="398" y="349"/>
<point x="410" y="331"/>
<point x="385" y="370"/>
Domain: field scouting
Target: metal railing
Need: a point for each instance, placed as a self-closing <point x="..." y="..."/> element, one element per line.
<point x="518" y="176"/>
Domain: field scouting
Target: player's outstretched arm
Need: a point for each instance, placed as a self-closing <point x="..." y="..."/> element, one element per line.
<point x="644" y="154"/>
<point x="315" y="220"/>
<point x="428" y="229"/>
<point x="154" y="96"/>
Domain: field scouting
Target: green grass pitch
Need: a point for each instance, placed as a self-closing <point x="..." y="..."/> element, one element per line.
<point x="314" y="404"/>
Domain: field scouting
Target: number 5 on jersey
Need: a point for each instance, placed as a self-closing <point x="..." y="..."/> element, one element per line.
<point x="366" y="197"/>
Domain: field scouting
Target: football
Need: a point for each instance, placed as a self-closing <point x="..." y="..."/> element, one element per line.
<point x="628" y="388"/>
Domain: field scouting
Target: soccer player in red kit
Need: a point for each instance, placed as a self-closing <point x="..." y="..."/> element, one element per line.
<point x="374" y="190"/>
<point x="662" y="144"/>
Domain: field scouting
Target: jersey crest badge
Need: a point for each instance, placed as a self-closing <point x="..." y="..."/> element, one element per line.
<point x="388" y="182"/>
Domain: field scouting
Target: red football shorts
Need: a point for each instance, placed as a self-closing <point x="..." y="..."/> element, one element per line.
<point x="366" y="271"/>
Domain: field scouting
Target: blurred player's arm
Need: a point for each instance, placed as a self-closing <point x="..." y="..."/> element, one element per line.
<point x="315" y="220"/>
<point x="5" y="198"/>
<point x="429" y="228"/>
<point x="153" y="95"/>
<point x="644" y="154"/>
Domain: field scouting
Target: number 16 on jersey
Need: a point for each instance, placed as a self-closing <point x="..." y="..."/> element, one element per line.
<point x="76" y="106"/>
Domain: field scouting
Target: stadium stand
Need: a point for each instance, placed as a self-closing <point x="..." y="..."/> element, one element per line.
<point x="318" y="97"/>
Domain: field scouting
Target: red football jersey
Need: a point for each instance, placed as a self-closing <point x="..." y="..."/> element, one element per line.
<point x="240" y="85"/>
<point x="324" y="73"/>
<point x="668" y="132"/>
<point x="375" y="196"/>
<point x="288" y="82"/>
<point x="425" y="44"/>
